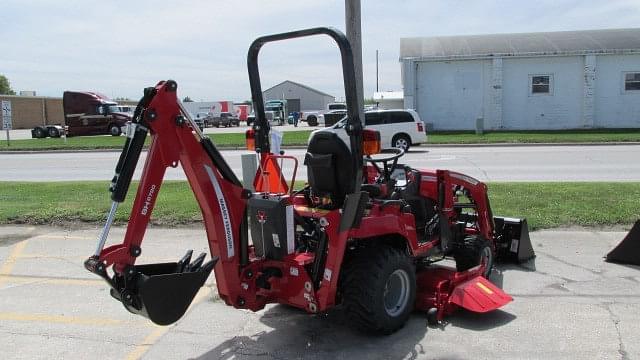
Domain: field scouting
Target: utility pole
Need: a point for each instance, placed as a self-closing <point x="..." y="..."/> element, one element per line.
<point x="354" y="34"/>
<point x="377" y="71"/>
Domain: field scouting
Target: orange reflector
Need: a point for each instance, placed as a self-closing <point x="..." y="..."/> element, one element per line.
<point x="250" y="139"/>
<point x="370" y="142"/>
<point x="486" y="289"/>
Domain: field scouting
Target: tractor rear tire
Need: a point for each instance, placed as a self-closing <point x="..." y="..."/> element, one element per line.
<point x="379" y="289"/>
<point x="471" y="251"/>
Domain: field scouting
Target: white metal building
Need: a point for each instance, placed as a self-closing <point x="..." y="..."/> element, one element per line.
<point x="299" y="97"/>
<point x="556" y="80"/>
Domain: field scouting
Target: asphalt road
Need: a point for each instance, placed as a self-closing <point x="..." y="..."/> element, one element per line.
<point x="487" y="163"/>
<point x="568" y="304"/>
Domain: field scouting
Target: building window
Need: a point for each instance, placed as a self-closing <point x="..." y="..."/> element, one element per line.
<point x="541" y="84"/>
<point x="632" y="81"/>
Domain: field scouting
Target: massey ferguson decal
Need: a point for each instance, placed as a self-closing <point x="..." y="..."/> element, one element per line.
<point x="226" y="218"/>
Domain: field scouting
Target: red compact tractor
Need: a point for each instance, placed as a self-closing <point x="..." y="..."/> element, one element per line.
<point x="366" y="232"/>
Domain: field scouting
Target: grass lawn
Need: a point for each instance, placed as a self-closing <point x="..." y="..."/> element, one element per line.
<point x="300" y="137"/>
<point x="545" y="205"/>
<point x="112" y="142"/>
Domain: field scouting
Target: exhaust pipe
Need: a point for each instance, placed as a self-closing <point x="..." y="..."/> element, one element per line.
<point x="512" y="240"/>
<point x="628" y="250"/>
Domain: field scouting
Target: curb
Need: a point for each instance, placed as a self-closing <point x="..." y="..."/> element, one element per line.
<point x="617" y="143"/>
<point x="63" y="151"/>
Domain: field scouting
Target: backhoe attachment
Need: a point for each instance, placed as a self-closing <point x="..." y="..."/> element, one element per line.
<point x="628" y="251"/>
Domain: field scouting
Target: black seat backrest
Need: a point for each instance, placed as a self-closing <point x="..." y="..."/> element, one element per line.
<point x="329" y="167"/>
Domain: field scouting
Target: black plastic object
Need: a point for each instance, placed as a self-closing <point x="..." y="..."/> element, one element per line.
<point x="161" y="292"/>
<point x="513" y="242"/>
<point x="628" y="251"/>
<point x="132" y="149"/>
<point x="271" y="221"/>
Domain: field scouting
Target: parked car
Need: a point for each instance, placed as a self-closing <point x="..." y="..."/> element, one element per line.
<point x="199" y="119"/>
<point x="313" y="117"/>
<point x="331" y="117"/>
<point x="398" y="128"/>
<point x="268" y="114"/>
<point x="226" y="119"/>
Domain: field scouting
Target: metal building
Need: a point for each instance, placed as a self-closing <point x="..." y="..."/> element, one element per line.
<point x="555" y="80"/>
<point x="299" y="97"/>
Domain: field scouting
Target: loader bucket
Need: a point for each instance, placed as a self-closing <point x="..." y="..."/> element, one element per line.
<point x="161" y="292"/>
<point x="628" y="251"/>
<point x="512" y="240"/>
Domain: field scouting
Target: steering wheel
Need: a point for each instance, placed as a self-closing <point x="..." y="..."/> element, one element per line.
<point x="393" y="154"/>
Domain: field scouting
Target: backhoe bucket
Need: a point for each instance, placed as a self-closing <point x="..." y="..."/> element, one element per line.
<point x="512" y="240"/>
<point x="628" y="251"/>
<point x="162" y="292"/>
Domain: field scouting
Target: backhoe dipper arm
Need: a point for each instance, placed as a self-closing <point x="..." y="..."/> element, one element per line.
<point x="176" y="139"/>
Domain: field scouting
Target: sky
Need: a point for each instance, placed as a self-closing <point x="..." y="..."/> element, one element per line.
<point x="120" y="47"/>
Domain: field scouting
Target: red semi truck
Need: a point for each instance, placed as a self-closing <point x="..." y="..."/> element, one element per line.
<point x="86" y="113"/>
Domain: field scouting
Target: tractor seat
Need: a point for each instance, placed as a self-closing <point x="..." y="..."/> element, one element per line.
<point x="329" y="168"/>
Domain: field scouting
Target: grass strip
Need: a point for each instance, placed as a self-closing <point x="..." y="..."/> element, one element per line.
<point x="300" y="137"/>
<point x="545" y="205"/>
<point x="555" y="136"/>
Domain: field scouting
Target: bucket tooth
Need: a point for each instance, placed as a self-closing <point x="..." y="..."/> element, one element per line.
<point x="186" y="259"/>
<point x="628" y="250"/>
<point x="195" y="265"/>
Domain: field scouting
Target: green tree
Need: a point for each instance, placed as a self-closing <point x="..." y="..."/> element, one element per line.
<point x="187" y="99"/>
<point x="5" y="86"/>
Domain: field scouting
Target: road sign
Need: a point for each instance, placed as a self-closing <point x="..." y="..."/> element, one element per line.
<point x="6" y="115"/>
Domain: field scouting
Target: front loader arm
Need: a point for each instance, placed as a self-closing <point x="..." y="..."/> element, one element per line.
<point x="220" y="196"/>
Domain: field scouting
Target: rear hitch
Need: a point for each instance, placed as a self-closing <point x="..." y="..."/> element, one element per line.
<point x="160" y="292"/>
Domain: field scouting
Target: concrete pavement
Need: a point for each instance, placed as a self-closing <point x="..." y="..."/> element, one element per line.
<point x="567" y="304"/>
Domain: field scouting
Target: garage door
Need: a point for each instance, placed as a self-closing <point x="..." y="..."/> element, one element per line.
<point x="293" y="105"/>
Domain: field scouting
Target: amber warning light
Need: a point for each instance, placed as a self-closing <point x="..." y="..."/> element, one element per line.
<point x="370" y="142"/>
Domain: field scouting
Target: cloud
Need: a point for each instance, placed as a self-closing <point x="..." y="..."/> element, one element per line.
<point x="120" y="47"/>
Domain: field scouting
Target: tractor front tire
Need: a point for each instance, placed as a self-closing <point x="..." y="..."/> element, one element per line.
<point x="471" y="251"/>
<point x="379" y="289"/>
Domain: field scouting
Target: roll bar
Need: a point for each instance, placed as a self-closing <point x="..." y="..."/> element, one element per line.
<point x="354" y="108"/>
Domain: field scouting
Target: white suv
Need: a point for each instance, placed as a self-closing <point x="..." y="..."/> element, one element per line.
<point x="398" y="128"/>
